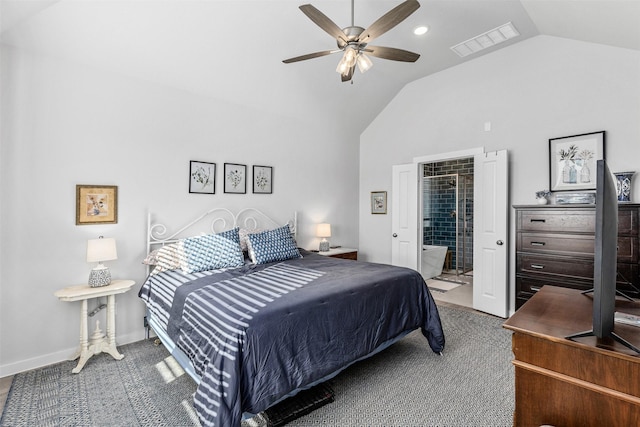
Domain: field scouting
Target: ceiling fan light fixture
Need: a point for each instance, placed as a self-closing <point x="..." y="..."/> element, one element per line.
<point x="342" y="67"/>
<point x="348" y="60"/>
<point x="350" y="56"/>
<point x="364" y="63"/>
<point x="353" y="41"/>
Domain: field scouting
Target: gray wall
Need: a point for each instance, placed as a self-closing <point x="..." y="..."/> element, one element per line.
<point x="541" y="88"/>
<point x="65" y="124"/>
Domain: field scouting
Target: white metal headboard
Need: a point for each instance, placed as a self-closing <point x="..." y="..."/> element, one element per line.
<point x="218" y="219"/>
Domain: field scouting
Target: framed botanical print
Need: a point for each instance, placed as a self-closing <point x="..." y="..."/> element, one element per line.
<point x="378" y="202"/>
<point x="235" y="178"/>
<point x="572" y="161"/>
<point x="96" y="204"/>
<point x="202" y="177"/>
<point x="262" y="179"/>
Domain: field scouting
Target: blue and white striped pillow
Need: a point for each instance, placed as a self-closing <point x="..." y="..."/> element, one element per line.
<point x="273" y="245"/>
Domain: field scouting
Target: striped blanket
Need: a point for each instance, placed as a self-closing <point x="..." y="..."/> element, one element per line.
<point x="256" y="333"/>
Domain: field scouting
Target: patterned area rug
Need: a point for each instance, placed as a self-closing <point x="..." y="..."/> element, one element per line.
<point x="407" y="384"/>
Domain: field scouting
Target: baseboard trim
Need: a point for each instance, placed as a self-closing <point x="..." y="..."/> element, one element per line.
<point x="58" y="356"/>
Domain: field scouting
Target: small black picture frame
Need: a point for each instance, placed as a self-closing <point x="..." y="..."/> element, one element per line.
<point x="262" y="179"/>
<point x="572" y="161"/>
<point x="235" y="178"/>
<point x="202" y="177"/>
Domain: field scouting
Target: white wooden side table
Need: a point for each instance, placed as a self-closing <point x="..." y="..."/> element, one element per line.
<point x="98" y="342"/>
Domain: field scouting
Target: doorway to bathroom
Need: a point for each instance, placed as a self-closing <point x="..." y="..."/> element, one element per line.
<point x="447" y="231"/>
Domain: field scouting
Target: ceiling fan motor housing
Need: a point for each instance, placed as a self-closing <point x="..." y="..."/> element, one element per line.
<point x="352" y="33"/>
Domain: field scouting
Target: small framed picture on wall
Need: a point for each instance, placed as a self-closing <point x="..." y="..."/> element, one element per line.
<point x="378" y="202"/>
<point x="202" y="177"/>
<point x="96" y="204"/>
<point x="262" y="179"/>
<point x="572" y="161"/>
<point x="235" y="178"/>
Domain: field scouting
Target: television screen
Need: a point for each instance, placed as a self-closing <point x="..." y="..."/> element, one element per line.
<point x="605" y="258"/>
<point x="606" y="252"/>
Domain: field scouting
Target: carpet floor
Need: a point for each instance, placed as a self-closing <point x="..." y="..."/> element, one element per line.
<point x="405" y="385"/>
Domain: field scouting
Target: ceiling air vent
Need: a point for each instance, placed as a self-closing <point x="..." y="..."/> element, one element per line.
<point x="485" y="40"/>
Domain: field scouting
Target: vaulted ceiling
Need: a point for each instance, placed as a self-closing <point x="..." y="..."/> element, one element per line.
<point x="233" y="50"/>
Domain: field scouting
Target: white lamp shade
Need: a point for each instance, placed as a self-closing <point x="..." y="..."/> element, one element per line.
<point x="323" y="230"/>
<point x="101" y="249"/>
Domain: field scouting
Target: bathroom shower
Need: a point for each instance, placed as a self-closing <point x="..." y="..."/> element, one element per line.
<point x="448" y="219"/>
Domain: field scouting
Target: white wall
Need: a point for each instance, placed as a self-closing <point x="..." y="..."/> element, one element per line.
<point x="541" y="88"/>
<point x="65" y="124"/>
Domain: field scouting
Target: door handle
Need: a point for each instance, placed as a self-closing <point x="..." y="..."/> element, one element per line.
<point x="499" y="243"/>
<point x="395" y="234"/>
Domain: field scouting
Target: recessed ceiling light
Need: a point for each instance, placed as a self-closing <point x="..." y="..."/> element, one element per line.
<point x="418" y="31"/>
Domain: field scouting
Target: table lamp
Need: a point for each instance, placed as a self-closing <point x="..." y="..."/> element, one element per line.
<point x="324" y="231"/>
<point x="99" y="250"/>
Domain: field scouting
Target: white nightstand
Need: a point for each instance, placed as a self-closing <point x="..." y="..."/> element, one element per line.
<point x="345" y="253"/>
<point x="97" y="343"/>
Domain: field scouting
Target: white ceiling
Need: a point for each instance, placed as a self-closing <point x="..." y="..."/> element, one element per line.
<point x="233" y="50"/>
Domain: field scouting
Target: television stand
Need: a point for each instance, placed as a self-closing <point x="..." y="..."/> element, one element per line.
<point x="569" y="383"/>
<point x="612" y="335"/>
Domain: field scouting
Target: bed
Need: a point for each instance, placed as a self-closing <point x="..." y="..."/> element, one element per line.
<point x="253" y="329"/>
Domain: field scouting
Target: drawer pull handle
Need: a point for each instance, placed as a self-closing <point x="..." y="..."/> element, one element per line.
<point x="534" y="288"/>
<point x="537" y="266"/>
<point x="537" y="243"/>
<point x="538" y="220"/>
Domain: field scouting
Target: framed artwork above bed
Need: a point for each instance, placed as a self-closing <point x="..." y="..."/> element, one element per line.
<point x="202" y="177"/>
<point x="262" y="179"/>
<point x="235" y="178"/>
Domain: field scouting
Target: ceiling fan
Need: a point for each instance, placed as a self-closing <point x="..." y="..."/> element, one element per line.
<point x="354" y="40"/>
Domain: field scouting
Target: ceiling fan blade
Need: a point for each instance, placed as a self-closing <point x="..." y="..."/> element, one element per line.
<point x="310" y="56"/>
<point x="349" y="75"/>
<point x="322" y="21"/>
<point x="391" y="53"/>
<point x="389" y="20"/>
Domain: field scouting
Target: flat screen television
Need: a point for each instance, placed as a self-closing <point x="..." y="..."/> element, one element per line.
<point x="605" y="258"/>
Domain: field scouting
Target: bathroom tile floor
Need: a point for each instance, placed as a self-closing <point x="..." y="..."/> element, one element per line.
<point x="461" y="293"/>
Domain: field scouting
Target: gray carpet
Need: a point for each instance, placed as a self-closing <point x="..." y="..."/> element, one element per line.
<point x="405" y="385"/>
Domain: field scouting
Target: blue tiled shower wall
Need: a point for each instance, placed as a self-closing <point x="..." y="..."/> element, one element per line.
<point x="440" y="213"/>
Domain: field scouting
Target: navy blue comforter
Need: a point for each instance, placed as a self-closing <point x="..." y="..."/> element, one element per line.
<point x="256" y="333"/>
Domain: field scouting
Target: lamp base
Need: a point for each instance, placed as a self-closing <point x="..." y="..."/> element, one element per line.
<point x="324" y="246"/>
<point x="99" y="277"/>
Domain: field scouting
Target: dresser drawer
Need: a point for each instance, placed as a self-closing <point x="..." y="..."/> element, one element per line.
<point x="628" y="249"/>
<point x="574" y="244"/>
<point x="628" y="221"/>
<point x="570" y="244"/>
<point x="526" y="287"/>
<point x="556" y="266"/>
<point x="574" y="221"/>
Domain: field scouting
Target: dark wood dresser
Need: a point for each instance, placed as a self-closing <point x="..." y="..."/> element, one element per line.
<point x="555" y="245"/>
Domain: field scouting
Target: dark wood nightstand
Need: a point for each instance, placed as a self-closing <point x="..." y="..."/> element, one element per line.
<point x="344" y="253"/>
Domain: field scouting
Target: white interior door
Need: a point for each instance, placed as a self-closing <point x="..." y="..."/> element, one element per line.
<point x="404" y="216"/>
<point x="490" y="233"/>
